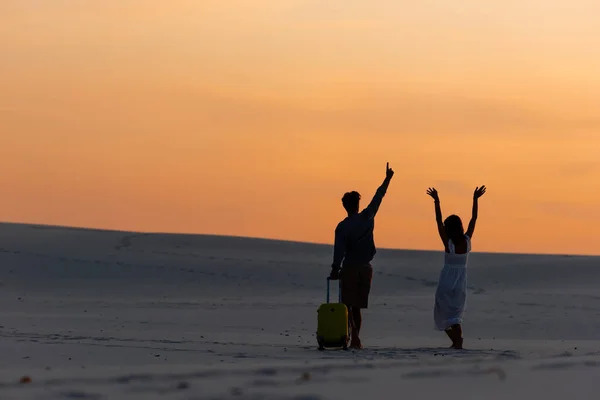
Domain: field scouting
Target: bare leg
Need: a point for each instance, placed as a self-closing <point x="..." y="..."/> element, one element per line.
<point x="459" y="336"/>
<point x="356" y="317"/>
<point x="450" y="334"/>
<point x="350" y="323"/>
<point x="455" y="333"/>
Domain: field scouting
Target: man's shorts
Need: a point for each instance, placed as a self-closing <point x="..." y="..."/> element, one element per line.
<point x="356" y="285"/>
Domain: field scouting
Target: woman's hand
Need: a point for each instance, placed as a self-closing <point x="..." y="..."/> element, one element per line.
<point x="479" y="191"/>
<point x="433" y="193"/>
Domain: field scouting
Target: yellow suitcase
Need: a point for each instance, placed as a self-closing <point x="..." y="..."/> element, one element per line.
<point x="332" y="323"/>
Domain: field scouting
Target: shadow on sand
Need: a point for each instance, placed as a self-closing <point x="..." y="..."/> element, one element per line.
<point x="398" y="353"/>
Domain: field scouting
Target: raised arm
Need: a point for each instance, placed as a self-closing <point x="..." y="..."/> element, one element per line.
<point x="373" y="206"/>
<point x="479" y="191"/>
<point x="438" y="216"/>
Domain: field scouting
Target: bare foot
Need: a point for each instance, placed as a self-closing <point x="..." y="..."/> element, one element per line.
<point x="356" y="344"/>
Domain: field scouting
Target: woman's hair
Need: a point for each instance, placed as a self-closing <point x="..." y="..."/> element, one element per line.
<point x="454" y="229"/>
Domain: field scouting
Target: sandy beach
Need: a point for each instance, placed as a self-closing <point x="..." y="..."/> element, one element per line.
<point x="96" y="314"/>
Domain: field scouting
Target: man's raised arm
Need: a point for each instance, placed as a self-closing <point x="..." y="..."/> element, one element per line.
<point x="373" y="206"/>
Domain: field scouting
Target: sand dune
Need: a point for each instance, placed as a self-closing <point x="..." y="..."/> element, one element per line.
<point x="100" y="314"/>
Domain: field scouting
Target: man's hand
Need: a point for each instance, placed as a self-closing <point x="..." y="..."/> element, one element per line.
<point x="388" y="171"/>
<point x="335" y="273"/>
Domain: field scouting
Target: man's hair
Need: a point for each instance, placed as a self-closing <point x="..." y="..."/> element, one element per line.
<point x="351" y="201"/>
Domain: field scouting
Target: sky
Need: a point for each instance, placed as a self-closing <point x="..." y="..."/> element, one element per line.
<point x="253" y="117"/>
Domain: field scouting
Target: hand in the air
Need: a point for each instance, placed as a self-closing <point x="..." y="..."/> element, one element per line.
<point x="388" y="171"/>
<point x="479" y="191"/>
<point x="433" y="193"/>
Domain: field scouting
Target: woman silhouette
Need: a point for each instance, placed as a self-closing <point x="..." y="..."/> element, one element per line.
<point x="451" y="293"/>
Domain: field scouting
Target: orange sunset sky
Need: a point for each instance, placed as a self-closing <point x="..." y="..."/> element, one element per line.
<point x="253" y="117"/>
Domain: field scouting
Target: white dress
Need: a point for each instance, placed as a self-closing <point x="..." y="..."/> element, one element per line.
<point x="451" y="293"/>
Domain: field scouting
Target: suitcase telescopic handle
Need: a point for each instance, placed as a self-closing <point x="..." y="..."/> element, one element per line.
<point x="339" y="289"/>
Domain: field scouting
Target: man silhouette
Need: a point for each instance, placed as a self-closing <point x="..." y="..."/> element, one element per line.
<point x="355" y="247"/>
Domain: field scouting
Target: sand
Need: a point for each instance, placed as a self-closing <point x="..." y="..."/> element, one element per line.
<point x="90" y="314"/>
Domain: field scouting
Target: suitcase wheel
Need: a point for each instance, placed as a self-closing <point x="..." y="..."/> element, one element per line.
<point x="321" y="343"/>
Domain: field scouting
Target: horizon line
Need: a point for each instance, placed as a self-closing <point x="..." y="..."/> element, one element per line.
<point x="84" y="228"/>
